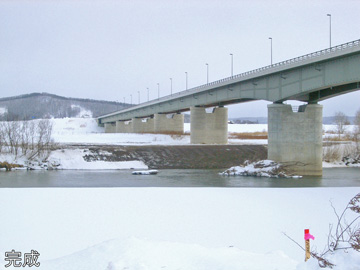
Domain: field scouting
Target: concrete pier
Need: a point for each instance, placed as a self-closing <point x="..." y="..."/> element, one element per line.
<point x="173" y="124"/>
<point x="124" y="126"/>
<point x="208" y="128"/>
<point x="143" y="125"/>
<point x="110" y="127"/>
<point x="295" y="138"/>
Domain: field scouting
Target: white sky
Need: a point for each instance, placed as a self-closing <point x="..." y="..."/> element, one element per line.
<point x="113" y="49"/>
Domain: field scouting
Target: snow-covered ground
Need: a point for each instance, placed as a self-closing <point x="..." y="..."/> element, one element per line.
<point x="3" y="110"/>
<point x="72" y="159"/>
<point x="169" y="228"/>
<point x="86" y="131"/>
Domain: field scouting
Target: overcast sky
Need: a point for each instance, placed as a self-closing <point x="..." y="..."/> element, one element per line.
<point x="110" y="50"/>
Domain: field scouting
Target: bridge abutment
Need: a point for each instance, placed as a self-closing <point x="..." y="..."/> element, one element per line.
<point x="295" y="138"/>
<point x="208" y="128"/>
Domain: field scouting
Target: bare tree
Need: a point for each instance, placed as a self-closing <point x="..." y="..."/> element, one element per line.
<point x="357" y="129"/>
<point x="340" y="121"/>
<point x="27" y="138"/>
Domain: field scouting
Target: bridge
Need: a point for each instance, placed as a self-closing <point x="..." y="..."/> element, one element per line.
<point x="294" y="137"/>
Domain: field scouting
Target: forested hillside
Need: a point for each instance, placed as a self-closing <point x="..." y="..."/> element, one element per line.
<point x="44" y="105"/>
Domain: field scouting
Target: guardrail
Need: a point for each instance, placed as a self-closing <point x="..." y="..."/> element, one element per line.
<point x="298" y="59"/>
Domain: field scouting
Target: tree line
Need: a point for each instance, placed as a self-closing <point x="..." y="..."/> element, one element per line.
<point x="26" y="138"/>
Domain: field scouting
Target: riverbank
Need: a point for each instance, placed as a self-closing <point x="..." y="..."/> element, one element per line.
<point x="81" y="144"/>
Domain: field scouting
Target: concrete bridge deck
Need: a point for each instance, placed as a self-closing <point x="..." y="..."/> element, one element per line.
<point x="309" y="78"/>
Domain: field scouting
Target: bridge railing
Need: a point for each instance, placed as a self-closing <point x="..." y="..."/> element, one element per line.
<point x="355" y="43"/>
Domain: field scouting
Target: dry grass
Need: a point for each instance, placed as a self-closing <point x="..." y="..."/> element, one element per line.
<point x="335" y="152"/>
<point x="249" y="135"/>
<point x="344" y="137"/>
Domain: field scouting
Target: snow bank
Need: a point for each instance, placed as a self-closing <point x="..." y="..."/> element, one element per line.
<point x="72" y="126"/>
<point x="262" y="168"/>
<point x="187" y="228"/>
<point x="148" y="172"/>
<point x="137" y="253"/>
<point x="72" y="159"/>
<point x="342" y="259"/>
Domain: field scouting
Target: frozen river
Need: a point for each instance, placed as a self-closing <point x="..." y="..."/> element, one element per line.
<point x="332" y="177"/>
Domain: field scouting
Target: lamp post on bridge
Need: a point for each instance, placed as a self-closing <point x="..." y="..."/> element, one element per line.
<point x="186" y="77"/>
<point x="271" y="50"/>
<point x="130" y="99"/>
<point x="158" y="90"/>
<point x="232" y="65"/>
<point x="148" y="92"/>
<point x="171" y="86"/>
<point x="329" y="15"/>
<point x="207" y="73"/>
<point x="139" y="97"/>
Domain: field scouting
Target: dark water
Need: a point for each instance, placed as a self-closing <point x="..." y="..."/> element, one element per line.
<point x="332" y="177"/>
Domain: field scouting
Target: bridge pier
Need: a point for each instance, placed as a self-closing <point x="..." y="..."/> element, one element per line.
<point x="295" y="138"/>
<point x="110" y="127"/>
<point x="141" y="125"/>
<point x="124" y="126"/>
<point x="208" y="128"/>
<point x="165" y="124"/>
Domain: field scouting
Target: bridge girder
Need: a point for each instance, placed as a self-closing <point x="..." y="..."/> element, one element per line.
<point x="307" y="80"/>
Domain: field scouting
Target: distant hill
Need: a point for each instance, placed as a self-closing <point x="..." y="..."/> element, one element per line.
<point x="45" y="105"/>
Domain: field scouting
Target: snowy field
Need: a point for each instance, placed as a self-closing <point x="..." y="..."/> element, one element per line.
<point x="169" y="228"/>
<point x="86" y="131"/>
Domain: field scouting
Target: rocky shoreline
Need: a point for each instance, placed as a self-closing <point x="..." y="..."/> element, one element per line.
<point x="179" y="156"/>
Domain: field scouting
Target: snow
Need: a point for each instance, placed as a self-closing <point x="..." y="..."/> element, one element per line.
<point x="3" y="110"/>
<point x="343" y="259"/>
<point x="262" y="168"/>
<point x="136" y="253"/>
<point x="332" y="128"/>
<point x="83" y="112"/>
<point x="72" y="159"/>
<point x="148" y="172"/>
<point x="169" y="228"/>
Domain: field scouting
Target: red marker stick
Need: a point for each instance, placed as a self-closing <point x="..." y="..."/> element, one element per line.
<point x="307" y="237"/>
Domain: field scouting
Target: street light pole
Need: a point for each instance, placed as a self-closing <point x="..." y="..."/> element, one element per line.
<point x="131" y="99"/>
<point x="148" y="93"/>
<point x="158" y="90"/>
<point x="207" y="73"/>
<point x="186" y="76"/>
<point x="232" y="64"/>
<point x="170" y="86"/>
<point x="271" y="50"/>
<point x="139" y="97"/>
<point x="329" y="15"/>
